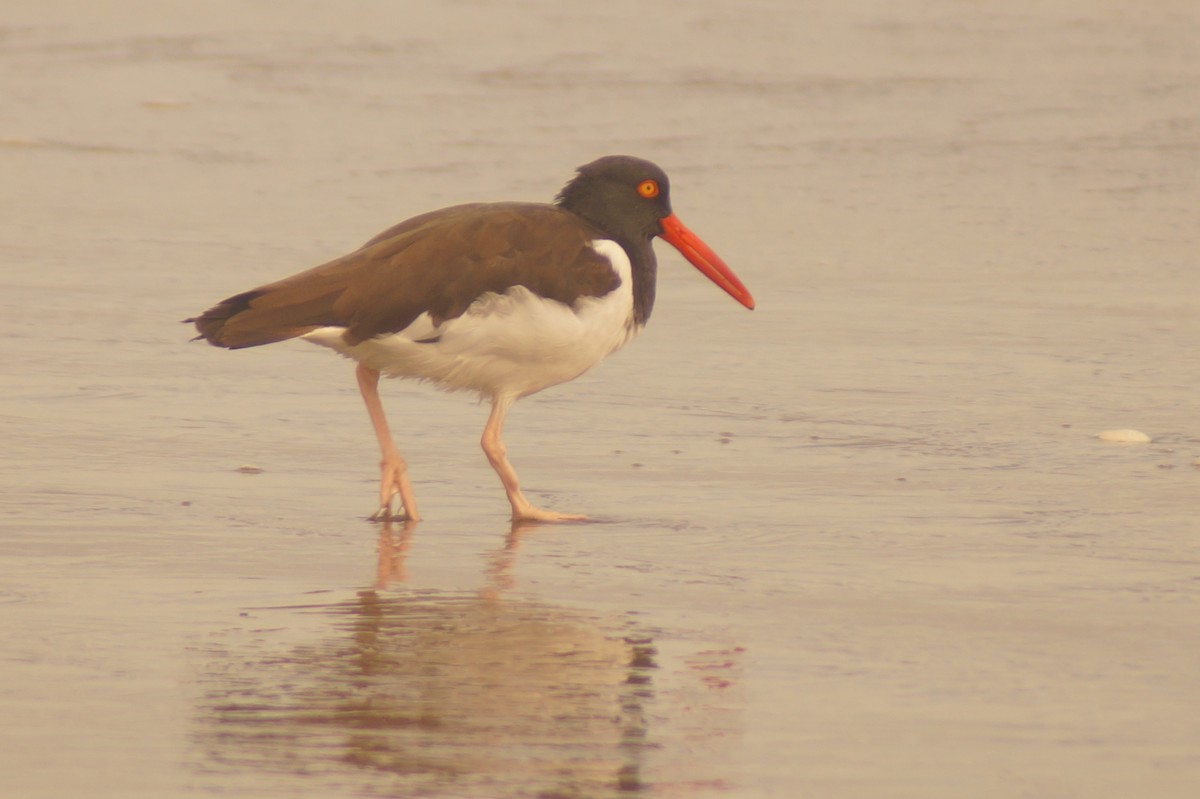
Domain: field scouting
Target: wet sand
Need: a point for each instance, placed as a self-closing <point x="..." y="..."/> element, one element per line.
<point x="861" y="542"/>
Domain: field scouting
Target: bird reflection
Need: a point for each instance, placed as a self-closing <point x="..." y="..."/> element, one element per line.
<point x="394" y="545"/>
<point x="439" y="693"/>
<point x="500" y="563"/>
<point x="393" y="554"/>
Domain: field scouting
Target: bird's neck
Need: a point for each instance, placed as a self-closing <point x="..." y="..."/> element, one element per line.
<point x="645" y="277"/>
<point x="638" y="246"/>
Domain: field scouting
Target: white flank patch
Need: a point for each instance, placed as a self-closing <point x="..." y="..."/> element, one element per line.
<point x="510" y="344"/>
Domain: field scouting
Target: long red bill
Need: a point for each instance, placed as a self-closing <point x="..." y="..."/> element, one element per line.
<point x="704" y="259"/>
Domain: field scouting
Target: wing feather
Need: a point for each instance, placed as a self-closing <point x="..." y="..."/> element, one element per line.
<point x="440" y="263"/>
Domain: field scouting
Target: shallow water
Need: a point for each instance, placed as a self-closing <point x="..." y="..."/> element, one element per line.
<point x="861" y="542"/>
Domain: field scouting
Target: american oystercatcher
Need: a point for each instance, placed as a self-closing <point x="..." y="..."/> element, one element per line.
<point x="504" y="299"/>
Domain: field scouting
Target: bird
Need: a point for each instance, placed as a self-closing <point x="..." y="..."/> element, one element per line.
<point x="504" y="299"/>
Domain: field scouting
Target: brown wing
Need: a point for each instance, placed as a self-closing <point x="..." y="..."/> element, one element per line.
<point x="438" y="262"/>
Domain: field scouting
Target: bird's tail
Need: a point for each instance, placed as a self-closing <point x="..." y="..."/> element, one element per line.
<point x="274" y="312"/>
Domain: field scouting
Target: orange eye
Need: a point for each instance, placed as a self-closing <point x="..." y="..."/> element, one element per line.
<point x="648" y="188"/>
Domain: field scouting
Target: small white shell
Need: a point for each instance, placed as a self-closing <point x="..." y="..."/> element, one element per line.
<point x="1124" y="436"/>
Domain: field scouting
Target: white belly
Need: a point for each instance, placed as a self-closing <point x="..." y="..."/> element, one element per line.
<point x="511" y="344"/>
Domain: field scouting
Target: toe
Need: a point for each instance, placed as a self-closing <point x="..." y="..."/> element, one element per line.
<point x="535" y="514"/>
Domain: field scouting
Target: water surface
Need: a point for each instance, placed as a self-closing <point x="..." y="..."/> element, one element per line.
<point x="861" y="542"/>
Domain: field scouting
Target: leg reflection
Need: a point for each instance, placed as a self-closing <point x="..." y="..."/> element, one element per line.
<point x="426" y="692"/>
<point x="393" y="553"/>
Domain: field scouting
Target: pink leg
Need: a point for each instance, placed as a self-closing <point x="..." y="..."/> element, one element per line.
<point x="493" y="447"/>
<point x="393" y="472"/>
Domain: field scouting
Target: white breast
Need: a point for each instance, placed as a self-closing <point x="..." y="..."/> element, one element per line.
<point x="510" y="344"/>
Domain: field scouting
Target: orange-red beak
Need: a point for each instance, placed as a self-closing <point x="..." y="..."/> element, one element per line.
<point x="704" y="259"/>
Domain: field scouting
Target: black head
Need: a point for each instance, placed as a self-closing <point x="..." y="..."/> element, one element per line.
<point x="626" y="197"/>
<point x="629" y="199"/>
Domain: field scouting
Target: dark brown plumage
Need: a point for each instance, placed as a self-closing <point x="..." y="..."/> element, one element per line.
<point x="439" y="262"/>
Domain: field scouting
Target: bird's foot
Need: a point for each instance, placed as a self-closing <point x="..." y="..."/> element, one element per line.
<point x="523" y="511"/>
<point x="394" y="486"/>
<point x="385" y="513"/>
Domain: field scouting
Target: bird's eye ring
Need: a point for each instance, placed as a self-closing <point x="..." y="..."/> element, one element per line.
<point x="648" y="189"/>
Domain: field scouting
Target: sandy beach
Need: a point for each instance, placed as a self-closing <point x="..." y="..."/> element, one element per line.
<point x="862" y="542"/>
